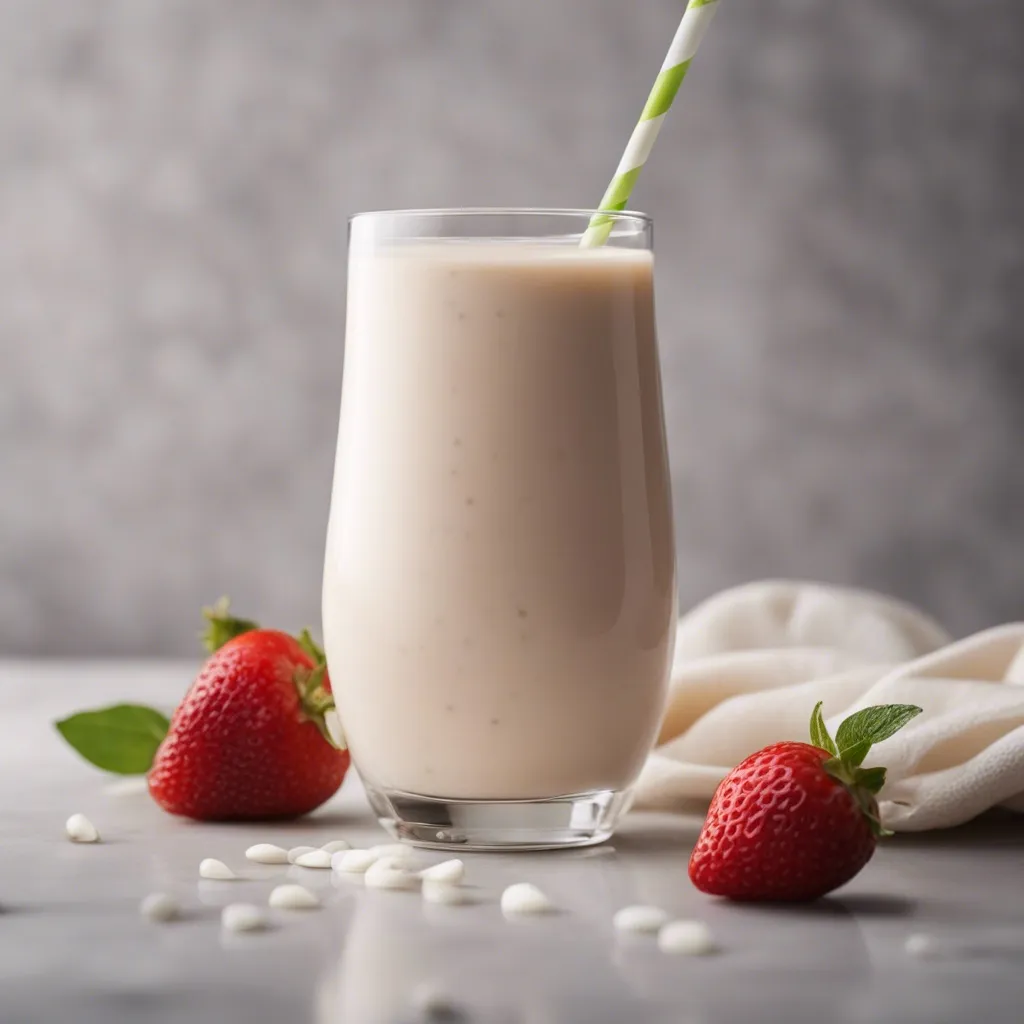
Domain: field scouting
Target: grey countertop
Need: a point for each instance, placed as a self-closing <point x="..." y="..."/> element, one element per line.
<point x="74" y="948"/>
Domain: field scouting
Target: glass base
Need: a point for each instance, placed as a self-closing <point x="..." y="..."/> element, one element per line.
<point x="554" y="823"/>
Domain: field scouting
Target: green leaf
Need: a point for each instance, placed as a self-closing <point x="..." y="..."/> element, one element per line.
<point x="121" y="739"/>
<point x="312" y="648"/>
<point x="872" y="779"/>
<point x="874" y="724"/>
<point x="854" y="756"/>
<point x="819" y="733"/>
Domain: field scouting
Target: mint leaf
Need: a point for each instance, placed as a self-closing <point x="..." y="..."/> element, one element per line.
<point x="854" y="756"/>
<point x="874" y="724"/>
<point x="872" y="779"/>
<point x="819" y="733"/>
<point x="121" y="739"/>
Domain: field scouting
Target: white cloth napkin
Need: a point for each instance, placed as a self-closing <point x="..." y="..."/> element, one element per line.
<point x="751" y="663"/>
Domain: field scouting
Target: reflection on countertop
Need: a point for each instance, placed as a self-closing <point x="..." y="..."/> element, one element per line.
<point x="73" y="945"/>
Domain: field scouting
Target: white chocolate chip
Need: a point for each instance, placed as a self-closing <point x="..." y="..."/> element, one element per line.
<point x="314" y="859"/>
<point x="294" y="897"/>
<point x="640" y="919"/>
<point x="242" y="917"/>
<point x="81" y="830"/>
<point x="297" y="851"/>
<point x="687" y="938"/>
<point x="396" y="850"/>
<point x="524" y="898"/>
<point x="267" y="853"/>
<point x="920" y="945"/>
<point x="452" y="871"/>
<point x="389" y="873"/>
<point x="391" y="864"/>
<point x="160" y="907"/>
<point x="353" y="861"/>
<point x="213" y="868"/>
<point x="442" y="892"/>
<point x="335" y="846"/>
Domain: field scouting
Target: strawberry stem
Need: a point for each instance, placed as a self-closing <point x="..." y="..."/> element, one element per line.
<point x="222" y="626"/>
<point x="311" y="647"/>
<point x="315" y="700"/>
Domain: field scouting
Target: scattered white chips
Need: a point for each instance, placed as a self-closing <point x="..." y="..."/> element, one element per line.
<point x="293" y="897"/>
<point x="335" y="846"/>
<point x="451" y="871"/>
<point x="389" y="873"/>
<point x="686" y="938"/>
<point x="443" y="892"/>
<point x="640" y="919"/>
<point x="80" y="829"/>
<point x="267" y="853"/>
<point x="314" y="859"/>
<point x="525" y="898"/>
<point x="353" y="861"/>
<point x="397" y="850"/>
<point x="159" y="907"/>
<point x="216" y="869"/>
<point x="242" y="917"/>
<point x="297" y="851"/>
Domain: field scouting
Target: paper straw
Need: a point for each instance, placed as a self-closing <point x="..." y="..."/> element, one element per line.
<point x="696" y="18"/>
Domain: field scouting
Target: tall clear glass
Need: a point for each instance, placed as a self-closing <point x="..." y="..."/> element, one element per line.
<point x="499" y="597"/>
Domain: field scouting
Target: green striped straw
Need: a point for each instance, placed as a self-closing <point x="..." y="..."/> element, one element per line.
<point x="696" y="18"/>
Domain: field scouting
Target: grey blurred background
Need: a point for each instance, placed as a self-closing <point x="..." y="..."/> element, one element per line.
<point x="839" y="200"/>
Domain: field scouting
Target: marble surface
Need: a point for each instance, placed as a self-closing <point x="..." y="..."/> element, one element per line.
<point x="74" y="948"/>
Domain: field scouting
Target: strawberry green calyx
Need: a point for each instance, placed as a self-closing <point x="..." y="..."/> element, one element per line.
<point x="311" y="647"/>
<point x="854" y="738"/>
<point x="222" y="626"/>
<point x="316" y="701"/>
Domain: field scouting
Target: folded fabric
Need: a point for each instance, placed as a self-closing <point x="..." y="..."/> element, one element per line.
<point x="751" y="663"/>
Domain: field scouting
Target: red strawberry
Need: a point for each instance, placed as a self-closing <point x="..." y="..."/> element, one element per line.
<point x="794" y="821"/>
<point x="250" y="739"/>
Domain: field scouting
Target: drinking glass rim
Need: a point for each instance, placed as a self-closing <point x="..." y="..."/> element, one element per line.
<point x="645" y="220"/>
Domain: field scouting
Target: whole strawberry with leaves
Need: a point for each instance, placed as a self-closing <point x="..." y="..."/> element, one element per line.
<point x="795" y="821"/>
<point x="255" y="737"/>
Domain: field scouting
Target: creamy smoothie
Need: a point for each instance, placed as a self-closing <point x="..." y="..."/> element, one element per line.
<point x="499" y="590"/>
